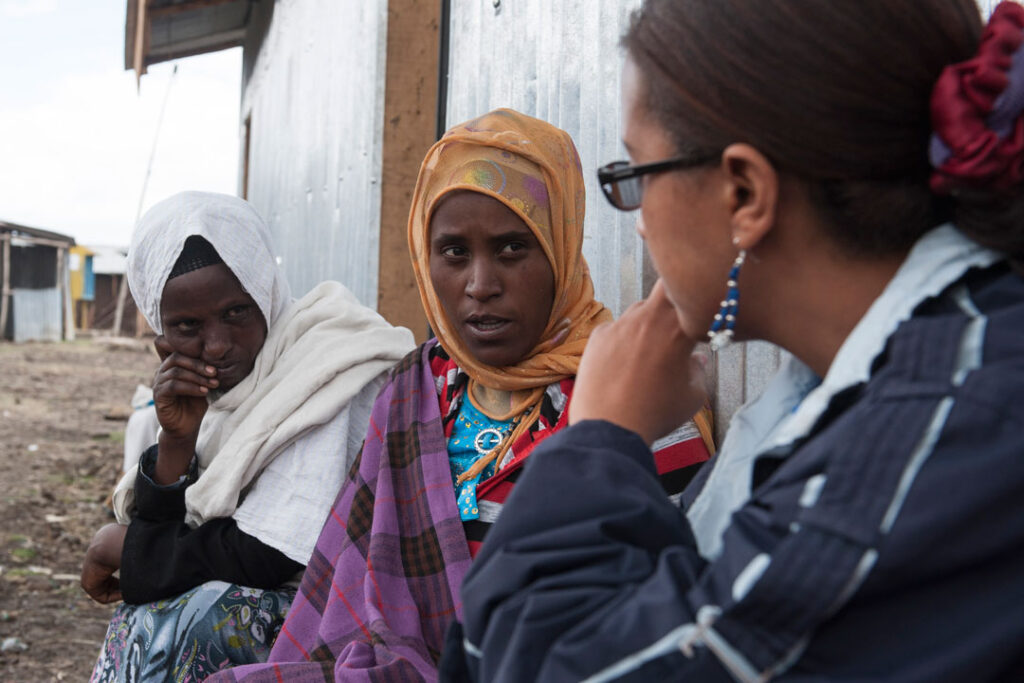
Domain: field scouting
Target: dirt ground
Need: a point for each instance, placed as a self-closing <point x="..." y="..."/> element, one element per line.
<point x="63" y="409"/>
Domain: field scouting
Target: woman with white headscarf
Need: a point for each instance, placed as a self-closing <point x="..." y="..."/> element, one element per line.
<point x="263" y="401"/>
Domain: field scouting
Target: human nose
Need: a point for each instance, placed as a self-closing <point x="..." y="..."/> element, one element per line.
<point x="483" y="282"/>
<point x="216" y="342"/>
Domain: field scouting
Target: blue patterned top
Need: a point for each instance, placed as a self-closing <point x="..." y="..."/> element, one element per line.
<point x="473" y="436"/>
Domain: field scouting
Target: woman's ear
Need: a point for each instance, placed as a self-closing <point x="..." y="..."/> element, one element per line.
<point x="753" y="187"/>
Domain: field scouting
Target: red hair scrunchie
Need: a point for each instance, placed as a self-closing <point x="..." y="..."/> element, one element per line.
<point x="976" y="108"/>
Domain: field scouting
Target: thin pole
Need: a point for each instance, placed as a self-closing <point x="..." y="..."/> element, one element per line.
<point x="443" y="75"/>
<point x="122" y="294"/>
<point x="66" y="304"/>
<point x="5" y="288"/>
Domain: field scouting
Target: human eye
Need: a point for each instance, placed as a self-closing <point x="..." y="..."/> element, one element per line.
<point x="185" y="326"/>
<point x="514" y="248"/>
<point x="237" y="312"/>
<point x="454" y="252"/>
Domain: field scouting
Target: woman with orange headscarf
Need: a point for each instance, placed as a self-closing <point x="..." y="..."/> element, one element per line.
<point x="495" y="233"/>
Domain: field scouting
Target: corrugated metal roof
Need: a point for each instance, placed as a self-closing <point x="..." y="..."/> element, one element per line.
<point x="172" y="29"/>
<point x="25" y="231"/>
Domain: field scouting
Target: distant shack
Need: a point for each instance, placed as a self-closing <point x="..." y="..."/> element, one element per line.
<point x="108" y="269"/>
<point x="35" y="293"/>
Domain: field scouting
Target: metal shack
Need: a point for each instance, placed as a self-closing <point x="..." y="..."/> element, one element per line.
<point x="35" y="291"/>
<point x="342" y="98"/>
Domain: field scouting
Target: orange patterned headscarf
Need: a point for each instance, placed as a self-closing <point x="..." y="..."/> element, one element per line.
<point x="532" y="168"/>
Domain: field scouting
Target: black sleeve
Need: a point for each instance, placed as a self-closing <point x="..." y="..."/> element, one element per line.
<point x="163" y="557"/>
<point x="160" y="503"/>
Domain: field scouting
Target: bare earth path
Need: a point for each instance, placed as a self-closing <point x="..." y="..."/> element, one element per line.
<point x="62" y="413"/>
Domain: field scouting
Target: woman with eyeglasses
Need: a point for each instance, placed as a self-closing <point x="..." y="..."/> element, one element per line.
<point x="496" y="237"/>
<point x="843" y="179"/>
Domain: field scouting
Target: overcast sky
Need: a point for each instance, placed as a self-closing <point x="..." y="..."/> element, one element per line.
<point x="75" y="134"/>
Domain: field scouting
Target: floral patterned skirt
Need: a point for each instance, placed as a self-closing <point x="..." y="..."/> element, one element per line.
<point x="214" y="626"/>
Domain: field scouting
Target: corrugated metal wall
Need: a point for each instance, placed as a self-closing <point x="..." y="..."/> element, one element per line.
<point x="38" y="314"/>
<point x="313" y="93"/>
<point x="313" y="97"/>
<point x="560" y="61"/>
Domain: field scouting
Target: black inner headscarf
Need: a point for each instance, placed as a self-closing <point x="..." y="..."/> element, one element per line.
<point x="197" y="253"/>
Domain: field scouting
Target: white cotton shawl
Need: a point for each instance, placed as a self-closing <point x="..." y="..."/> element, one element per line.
<point x="235" y="230"/>
<point x="320" y="351"/>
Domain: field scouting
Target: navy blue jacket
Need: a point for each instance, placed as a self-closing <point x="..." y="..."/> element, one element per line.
<point x="908" y="565"/>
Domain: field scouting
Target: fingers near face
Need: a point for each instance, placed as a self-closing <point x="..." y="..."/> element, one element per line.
<point x="181" y="375"/>
<point x="208" y="316"/>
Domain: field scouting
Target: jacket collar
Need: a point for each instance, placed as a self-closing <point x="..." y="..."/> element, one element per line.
<point x="795" y="398"/>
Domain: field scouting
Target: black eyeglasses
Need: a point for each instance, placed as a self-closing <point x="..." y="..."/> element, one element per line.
<point x="622" y="184"/>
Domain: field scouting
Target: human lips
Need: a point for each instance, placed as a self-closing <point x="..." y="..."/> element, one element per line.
<point x="223" y="366"/>
<point x="224" y="370"/>
<point x="487" y="326"/>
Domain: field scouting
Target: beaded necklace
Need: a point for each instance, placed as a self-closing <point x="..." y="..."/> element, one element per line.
<point x="475" y="442"/>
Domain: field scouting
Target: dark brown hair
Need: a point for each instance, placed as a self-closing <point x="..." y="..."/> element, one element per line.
<point x="834" y="92"/>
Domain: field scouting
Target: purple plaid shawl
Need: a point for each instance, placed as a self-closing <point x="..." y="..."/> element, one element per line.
<point x="383" y="583"/>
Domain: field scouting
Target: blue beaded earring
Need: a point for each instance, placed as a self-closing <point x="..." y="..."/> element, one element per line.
<point x="721" y="331"/>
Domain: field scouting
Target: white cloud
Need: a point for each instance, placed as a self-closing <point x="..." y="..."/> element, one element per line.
<point x="74" y="159"/>
<point x="25" y="8"/>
